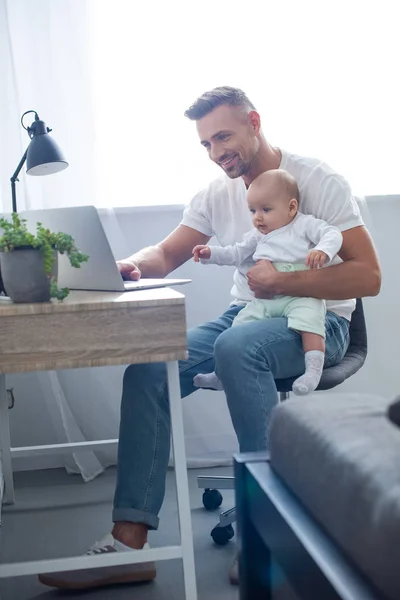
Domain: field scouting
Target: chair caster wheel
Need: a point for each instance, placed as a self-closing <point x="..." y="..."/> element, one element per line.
<point x="212" y="499"/>
<point x="222" y="535"/>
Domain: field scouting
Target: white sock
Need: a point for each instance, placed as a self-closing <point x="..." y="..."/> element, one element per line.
<point x="309" y="381"/>
<point x="120" y="547"/>
<point x="108" y="542"/>
<point x="207" y="380"/>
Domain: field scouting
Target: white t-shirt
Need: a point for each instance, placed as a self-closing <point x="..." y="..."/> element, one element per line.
<point x="221" y="210"/>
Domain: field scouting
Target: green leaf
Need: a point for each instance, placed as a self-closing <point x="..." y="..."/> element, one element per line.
<point x="17" y="235"/>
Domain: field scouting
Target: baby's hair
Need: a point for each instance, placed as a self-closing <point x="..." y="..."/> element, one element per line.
<point x="281" y="178"/>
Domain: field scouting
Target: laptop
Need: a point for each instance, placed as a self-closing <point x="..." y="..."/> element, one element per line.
<point x="100" y="273"/>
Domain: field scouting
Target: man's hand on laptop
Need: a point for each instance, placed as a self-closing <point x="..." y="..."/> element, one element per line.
<point x="128" y="270"/>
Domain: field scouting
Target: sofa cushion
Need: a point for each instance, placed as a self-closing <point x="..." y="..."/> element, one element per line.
<point x="340" y="454"/>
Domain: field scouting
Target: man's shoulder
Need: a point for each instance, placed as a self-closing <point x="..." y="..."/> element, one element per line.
<point x="320" y="186"/>
<point x="299" y="159"/>
<point x="302" y="167"/>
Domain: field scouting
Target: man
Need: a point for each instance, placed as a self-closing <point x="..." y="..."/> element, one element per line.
<point x="247" y="358"/>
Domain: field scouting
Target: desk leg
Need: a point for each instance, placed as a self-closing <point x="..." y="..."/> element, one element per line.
<point x="5" y="443"/>
<point x="182" y="485"/>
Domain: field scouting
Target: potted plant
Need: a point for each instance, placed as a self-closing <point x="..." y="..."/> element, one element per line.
<point x="29" y="262"/>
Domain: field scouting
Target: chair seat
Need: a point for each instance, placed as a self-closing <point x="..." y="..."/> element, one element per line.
<point x="333" y="376"/>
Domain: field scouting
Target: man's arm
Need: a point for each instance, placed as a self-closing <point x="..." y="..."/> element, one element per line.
<point x="168" y="255"/>
<point x="358" y="276"/>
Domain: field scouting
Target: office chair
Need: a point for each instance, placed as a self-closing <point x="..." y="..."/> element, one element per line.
<point x="331" y="377"/>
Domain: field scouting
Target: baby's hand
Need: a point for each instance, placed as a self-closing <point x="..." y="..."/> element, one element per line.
<point x="201" y="252"/>
<point x="316" y="259"/>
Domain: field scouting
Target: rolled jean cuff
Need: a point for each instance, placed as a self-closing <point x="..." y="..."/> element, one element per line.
<point x="135" y="516"/>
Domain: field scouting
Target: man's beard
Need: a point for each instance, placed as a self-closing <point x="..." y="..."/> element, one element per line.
<point x="238" y="170"/>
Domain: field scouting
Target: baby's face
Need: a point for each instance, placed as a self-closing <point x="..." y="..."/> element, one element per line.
<point x="269" y="211"/>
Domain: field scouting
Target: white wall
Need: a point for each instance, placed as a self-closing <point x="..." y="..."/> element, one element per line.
<point x="207" y="296"/>
<point x="1" y="485"/>
<point x="380" y="373"/>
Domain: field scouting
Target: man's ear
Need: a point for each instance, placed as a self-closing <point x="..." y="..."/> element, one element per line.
<point x="293" y="205"/>
<point x="255" y="121"/>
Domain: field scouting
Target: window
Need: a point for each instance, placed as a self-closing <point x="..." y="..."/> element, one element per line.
<point x="323" y="76"/>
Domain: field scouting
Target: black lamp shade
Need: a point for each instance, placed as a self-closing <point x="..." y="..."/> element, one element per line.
<point x="44" y="157"/>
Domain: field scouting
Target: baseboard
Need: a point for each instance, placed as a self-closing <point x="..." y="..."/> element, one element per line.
<point x="1" y="485"/>
<point x="37" y="463"/>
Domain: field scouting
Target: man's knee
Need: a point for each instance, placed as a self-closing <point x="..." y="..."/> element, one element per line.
<point x="228" y="346"/>
<point x="237" y="348"/>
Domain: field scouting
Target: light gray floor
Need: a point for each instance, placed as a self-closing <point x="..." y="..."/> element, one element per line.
<point x="58" y="515"/>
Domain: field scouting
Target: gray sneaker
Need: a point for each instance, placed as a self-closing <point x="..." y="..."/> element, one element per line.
<point x="85" y="579"/>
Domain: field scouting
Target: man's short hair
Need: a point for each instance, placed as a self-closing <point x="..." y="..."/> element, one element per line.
<point x="217" y="97"/>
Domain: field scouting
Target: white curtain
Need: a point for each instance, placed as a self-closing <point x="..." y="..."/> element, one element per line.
<point x="44" y="67"/>
<point x="45" y="64"/>
<point x="112" y="79"/>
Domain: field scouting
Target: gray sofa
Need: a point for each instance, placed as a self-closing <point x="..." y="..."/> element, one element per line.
<point x="340" y="455"/>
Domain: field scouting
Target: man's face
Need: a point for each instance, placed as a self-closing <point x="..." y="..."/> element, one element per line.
<point x="229" y="138"/>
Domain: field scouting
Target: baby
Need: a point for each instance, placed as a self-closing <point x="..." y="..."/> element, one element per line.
<point x="292" y="241"/>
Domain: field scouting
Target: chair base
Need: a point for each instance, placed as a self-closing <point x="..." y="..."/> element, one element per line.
<point x="212" y="499"/>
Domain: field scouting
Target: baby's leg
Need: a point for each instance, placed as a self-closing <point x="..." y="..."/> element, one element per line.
<point x="314" y="350"/>
<point x="307" y="316"/>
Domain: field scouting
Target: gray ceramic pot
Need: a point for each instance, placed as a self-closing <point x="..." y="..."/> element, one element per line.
<point x="23" y="275"/>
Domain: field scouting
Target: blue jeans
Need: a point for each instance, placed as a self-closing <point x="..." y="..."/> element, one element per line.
<point x="247" y="359"/>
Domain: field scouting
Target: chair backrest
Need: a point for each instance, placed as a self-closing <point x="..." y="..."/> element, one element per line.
<point x="352" y="361"/>
<point x="358" y="329"/>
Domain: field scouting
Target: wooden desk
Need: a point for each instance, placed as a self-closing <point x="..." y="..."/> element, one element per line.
<point x="94" y="329"/>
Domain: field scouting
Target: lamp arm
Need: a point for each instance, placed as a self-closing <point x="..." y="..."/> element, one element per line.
<point x="14" y="178"/>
